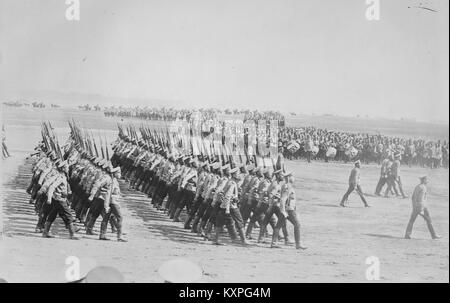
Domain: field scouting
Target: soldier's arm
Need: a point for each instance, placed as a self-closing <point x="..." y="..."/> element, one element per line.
<point x="109" y="185"/>
<point x="52" y="188"/>
<point x="98" y="184"/>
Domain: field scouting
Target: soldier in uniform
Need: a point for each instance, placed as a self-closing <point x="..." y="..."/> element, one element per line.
<point x="211" y="212"/>
<point x="210" y="182"/>
<point x="419" y="207"/>
<point x="273" y="194"/>
<point x="385" y="166"/>
<point x="228" y="196"/>
<point x="112" y="206"/>
<point x="244" y="193"/>
<point x="354" y="185"/>
<point x="189" y="188"/>
<point x="288" y="211"/>
<point x="97" y="197"/>
<point x="262" y="205"/>
<point x="203" y="176"/>
<point x="394" y="178"/>
<point x="58" y="194"/>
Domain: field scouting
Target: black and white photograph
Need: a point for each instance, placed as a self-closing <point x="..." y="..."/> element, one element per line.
<point x="234" y="142"/>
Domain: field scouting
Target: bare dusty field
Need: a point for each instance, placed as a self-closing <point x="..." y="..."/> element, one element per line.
<point x="339" y="240"/>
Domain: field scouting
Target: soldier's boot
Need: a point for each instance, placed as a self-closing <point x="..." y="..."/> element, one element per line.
<point x="172" y="210"/>
<point x="287" y="240"/>
<point x="120" y="237"/>
<point x="40" y="224"/>
<point x="176" y="216"/>
<point x="215" y="240"/>
<point x="195" y="224"/>
<point x="262" y="231"/>
<point x="187" y="224"/>
<point x="72" y="232"/>
<point x="275" y="234"/>
<point x="113" y="224"/>
<point x="208" y="230"/>
<point x="103" y="228"/>
<point x="90" y="226"/>
<point x="46" y="233"/>
<point x="298" y="244"/>
<point x="30" y="187"/>
<point x="248" y="232"/>
<point x="242" y="236"/>
<point x="84" y="215"/>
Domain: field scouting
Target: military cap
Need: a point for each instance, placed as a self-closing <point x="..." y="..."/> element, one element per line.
<point x="63" y="164"/>
<point x="101" y="162"/>
<point x="180" y="271"/>
<point x="357" y="162"/>
<point x="234" y="170"/>
<point x="106" y="164"/>
<point x="424" y="177"/>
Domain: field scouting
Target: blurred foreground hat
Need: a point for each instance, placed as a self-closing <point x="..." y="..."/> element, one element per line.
<point x="103" y="274"/>
<point x="180" y="271"/>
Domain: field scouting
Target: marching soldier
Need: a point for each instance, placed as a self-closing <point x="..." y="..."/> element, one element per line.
<point x="288" y="211"/>
<point x="419" y="207"/>
<point x="58" y="194"/>
<point x="354" y="185"/>
<point x="112" y="206"/>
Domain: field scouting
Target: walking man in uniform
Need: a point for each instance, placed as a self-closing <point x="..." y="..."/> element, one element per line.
<point x="354" y="184"/>
<point x="419" y="200"/>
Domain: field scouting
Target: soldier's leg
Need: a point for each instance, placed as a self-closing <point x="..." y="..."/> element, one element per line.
<point x="115" y="209"/>
<point x="95" y="210"/>
<point x="361" y="195"/>
<point x="53" y="213"/>
<point x="380" y="185"/>
<point x="193" y="212"/>
<point x="239" y="223"/>
<point x="267" y="212"/>
<point x="44" y="212"/>
<point x="219" y="222"/>
<point x="281" y="222"/>
<point x="412" y="219"/>
<point x="104" y="224"/>
<point x="427" y="217"/>
<point x="254" y="217"/>
<point x="293" y="218"/>
<point x="347" y="193"/>
<point x="201" y="211"/>
<point x="66" y="216"/>
<point x="186" y="201"/>
<point x="400" y="187"/>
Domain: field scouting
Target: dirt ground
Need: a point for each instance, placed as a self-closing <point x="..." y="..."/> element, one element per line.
<point x="338" y="239"/>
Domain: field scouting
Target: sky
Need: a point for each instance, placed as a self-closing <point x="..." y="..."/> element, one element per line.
<point x="305" y="56"/>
